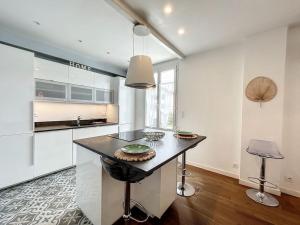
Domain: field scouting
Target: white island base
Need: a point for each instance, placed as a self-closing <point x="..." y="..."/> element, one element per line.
<point x="101" y="197"/>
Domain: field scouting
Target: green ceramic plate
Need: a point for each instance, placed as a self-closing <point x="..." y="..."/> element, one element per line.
<point x="135" y="149"/>
<point x="182" y="132"/>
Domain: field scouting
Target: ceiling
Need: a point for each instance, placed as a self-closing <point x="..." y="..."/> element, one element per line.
<point x="106" y="34"/>
<point x="212" y="23"/>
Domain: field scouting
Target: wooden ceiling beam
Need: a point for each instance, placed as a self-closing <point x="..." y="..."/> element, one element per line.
<point x="127" y="11"/>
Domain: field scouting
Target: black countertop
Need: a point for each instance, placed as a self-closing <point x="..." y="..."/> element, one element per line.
<point x="166" y="149"/>
<point x="71" y="124"/>
<point x="129" y="136"/>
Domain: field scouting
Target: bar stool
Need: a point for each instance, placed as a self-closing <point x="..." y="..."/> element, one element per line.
<point x="122" y="172"/>
<point x="264" y="150"/>
<point x="183" y="188"/>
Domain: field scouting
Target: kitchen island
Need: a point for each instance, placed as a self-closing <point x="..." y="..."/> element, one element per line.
<point x="101" y="197"/>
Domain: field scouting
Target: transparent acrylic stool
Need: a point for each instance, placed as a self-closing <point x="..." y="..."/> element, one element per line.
<point x="264" y="150"/>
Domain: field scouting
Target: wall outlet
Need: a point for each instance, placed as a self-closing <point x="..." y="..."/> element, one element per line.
<point x="235" y="165"/>
<point x="289" y="179"/>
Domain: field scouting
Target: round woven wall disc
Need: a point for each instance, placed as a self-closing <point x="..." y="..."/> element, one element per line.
<point x="261" y="89"/>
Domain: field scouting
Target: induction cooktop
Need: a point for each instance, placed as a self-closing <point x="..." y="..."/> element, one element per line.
<point x="129" y="135"/>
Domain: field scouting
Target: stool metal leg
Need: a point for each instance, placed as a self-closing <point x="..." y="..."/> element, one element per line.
<point x="127" y="210"/>
<point x="260" y="195"/>
<point x="127" y="213"/>
<point x="184" y="189"/>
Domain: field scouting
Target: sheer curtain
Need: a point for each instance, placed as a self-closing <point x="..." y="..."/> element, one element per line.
<point x="152" y="105"/>
<point x="160" y="101"/>
<point x="166" y="99"/>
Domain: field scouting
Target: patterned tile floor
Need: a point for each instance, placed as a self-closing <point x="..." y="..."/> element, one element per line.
<point x="47" y="201"/>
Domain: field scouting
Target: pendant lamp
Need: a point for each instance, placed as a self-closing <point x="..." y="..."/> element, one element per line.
<point x="140" y="71"/>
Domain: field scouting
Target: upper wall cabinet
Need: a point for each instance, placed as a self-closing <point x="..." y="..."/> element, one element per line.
<point x="102" y="81"/>
<point x="59" y="82"/>
<point x="81" y="77"/>
<point x="81" y="94"/>
<point x="50" y="90"/>
<point x="48" y="70"/>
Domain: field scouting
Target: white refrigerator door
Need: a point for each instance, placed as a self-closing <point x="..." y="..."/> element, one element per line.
<point x="16" y="90"/>
<point x="16" y="159"/>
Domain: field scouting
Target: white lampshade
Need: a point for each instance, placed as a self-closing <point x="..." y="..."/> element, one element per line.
<point x="140" y="72"/>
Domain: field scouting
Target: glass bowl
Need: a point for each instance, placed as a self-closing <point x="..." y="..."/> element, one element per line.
<point x="154" y="135"/>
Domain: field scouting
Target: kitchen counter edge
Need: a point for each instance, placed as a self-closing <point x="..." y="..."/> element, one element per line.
<point x="65" y="127"/>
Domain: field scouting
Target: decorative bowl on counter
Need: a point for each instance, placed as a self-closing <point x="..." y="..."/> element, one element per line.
<point x="154" y="135"/>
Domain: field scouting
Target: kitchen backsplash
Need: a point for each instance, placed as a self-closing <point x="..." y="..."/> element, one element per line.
<point x="49" y="111"/>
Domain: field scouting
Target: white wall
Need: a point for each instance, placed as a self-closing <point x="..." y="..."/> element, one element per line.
<point x="139" y="109"/>
<point x="48" y="111"/>
<point x="291" y="127"/>
<point x="209" y="103"/>
<point x="264" y="56"/>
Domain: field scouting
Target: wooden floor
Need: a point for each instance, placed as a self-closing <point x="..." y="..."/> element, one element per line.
<point x="220" y="200"/>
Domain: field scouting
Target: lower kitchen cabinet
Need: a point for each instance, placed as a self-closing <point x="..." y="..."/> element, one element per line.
<point x="52" y="151"/>
<point x="157" y="191"/>
<point x="16" y="161"/>
<point x="91" y="132"/>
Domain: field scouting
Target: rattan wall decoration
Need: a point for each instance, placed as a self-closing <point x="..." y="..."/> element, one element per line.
<point x="261" y="89"/>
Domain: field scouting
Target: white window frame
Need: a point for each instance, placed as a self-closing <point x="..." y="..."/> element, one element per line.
<point x="158" y="69"/>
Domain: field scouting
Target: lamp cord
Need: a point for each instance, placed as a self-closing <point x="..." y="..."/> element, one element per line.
<point x="144" y="45"/>
<point x="133" y="41"/>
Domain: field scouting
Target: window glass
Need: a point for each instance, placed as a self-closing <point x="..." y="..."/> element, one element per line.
<point x="167" y="76"/>
<point x="166" y="99"/>
<point x="151" y="105"/>
<point x="160" y="101"/>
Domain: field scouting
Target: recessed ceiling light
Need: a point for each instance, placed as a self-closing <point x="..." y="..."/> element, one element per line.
<point x="80" y="41"/>
<point x="108" y="52"/>
<point x="168" y="9"/>
<point x="181" y="31"/>
<point x="36" y="69"/>
<point x="36" y="22"/>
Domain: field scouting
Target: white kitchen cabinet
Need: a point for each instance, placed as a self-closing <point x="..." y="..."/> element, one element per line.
<point x="97" y="193"/>
<point x="158" y="191"/>
<point x="81" y="77"/>
<point x="16" y="90"/>
<point x="52" y="151"/>
<point x="91" y="132"/>
<point x="16" y="119"/>
<point x="104" y="96"/>
<point x="102" y="81"/>
<point x="50" y="90"/>
<point x="49" y="70"/>
<point x="81" y="94"/>
<point x="16" y="161"/>
<point x="126" y="101"/>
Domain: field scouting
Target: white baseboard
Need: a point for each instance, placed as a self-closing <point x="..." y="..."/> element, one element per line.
<point x="246" y="182"/>
<point x="290" y="192"/>
<point x="215" y="170"/>
<point x="253" y="185"/>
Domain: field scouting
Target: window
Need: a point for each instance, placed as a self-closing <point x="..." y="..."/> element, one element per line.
<point x="160" y="101"/>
